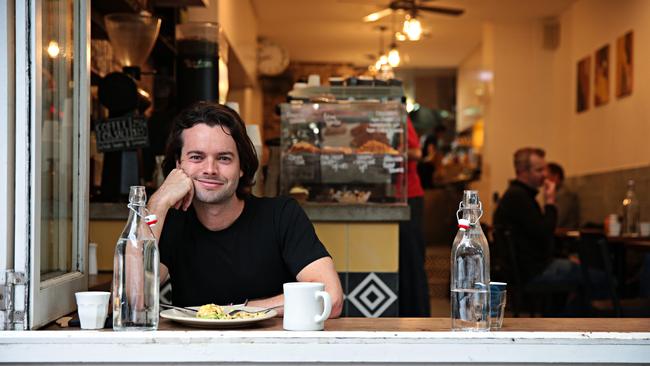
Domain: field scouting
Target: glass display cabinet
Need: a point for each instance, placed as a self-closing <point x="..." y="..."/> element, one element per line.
<point x="344" y="151"/>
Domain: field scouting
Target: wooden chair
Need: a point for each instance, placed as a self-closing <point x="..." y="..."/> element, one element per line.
<point x="596" y="260"/>
<point x="539" y="296"/>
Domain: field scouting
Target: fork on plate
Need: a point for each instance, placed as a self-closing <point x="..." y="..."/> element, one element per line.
<point x="263" y="311"/>
<point x="190" y="311"/>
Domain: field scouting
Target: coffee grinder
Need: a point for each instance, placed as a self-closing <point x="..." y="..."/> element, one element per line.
<point x="201" y="63"/>
<point x="121" y="136"/>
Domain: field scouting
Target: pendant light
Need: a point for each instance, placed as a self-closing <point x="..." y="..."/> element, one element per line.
<point x="393" y="53"/>
<point x="412" y="28"/>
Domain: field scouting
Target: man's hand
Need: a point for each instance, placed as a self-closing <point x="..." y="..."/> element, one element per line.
<point x="549" y="192"/>
<point x="176" y="191"/>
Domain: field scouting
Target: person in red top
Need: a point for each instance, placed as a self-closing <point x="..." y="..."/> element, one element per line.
<point x="413" y="287"/>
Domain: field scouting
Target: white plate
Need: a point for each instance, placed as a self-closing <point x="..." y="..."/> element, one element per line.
<point x="181" y="317"/>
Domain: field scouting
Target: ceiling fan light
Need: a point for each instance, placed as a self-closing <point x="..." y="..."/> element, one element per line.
<point x="412" y="28"/>
<point x="393" y="57"/>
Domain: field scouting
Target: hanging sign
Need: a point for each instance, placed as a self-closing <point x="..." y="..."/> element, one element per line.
<point x="122" y="133"/>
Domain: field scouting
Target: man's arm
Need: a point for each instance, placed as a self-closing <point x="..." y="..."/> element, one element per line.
<point x="176" y="191"/>
<point x="321" y="270"/>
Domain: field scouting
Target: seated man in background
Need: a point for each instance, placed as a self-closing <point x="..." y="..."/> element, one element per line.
<point x="219" y="243"/>
<point x="533" y="228"/>
<point x="566" y="201"/>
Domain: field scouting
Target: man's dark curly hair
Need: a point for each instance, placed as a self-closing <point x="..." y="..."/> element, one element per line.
<point x="213" y="114"/>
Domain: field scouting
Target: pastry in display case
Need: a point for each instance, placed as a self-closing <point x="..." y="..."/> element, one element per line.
<point x="344" y="152"/>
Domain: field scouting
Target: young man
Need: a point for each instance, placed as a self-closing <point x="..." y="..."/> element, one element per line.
<point x="219" y="243"/>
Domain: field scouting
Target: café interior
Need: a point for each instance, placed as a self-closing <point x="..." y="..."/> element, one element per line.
<point x="478" y="79"/>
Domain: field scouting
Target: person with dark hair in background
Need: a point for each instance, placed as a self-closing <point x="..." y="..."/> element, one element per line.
<point x="219" y="243"/>
<point x="413" y="285"/>
<point x="566" y="201"/>
<point x="431" y="156"/>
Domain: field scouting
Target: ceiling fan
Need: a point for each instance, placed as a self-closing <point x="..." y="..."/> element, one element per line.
<point x="412" y="7"/>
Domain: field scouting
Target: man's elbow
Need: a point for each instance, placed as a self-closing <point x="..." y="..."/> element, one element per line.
<point x="337" y="305"/>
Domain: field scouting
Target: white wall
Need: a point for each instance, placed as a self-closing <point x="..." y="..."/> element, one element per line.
<point x="533" y="93"/>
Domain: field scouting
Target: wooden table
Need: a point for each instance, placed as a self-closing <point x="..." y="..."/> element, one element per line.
<point x="630" y="242"/>
<point x="346" y="341"/>
<point x="627" y="241"/>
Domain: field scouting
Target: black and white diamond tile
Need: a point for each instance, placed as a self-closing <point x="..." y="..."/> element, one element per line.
<point x="372" y="294"/>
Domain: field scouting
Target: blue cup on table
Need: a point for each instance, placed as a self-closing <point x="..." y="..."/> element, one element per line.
<point x="497" y="304"/>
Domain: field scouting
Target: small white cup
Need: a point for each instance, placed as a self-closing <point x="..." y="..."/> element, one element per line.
<point x="644" y="228"/>
<point x="614" y="229"/>
<point x="306" y="306"/>
<point x="92" y="307"/>
<point x="313" y="80"/>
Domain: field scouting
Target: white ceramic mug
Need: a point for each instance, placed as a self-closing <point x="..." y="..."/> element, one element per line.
<point x="306" y="306"/>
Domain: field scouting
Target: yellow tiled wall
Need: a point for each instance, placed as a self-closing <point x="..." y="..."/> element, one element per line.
<point x="334" y="237"/>
<point x="361" y="247"/>
<point x="373" y="247"/>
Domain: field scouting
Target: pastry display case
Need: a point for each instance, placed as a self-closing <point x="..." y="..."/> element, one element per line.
<point x="344" y="151"/>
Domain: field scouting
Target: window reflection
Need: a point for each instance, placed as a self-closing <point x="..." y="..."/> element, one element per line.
<point x="57" y="136"/>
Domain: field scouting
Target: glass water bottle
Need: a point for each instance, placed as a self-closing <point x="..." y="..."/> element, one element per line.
<point x="135" y="270"/>
<point x="470" y="268"/>
<point x="631" y="212"/>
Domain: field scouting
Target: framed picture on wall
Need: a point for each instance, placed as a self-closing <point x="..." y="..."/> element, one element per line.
<point x="583" y="76"/>
<point x="624" y="64"/>
<point x="601" y="76"/>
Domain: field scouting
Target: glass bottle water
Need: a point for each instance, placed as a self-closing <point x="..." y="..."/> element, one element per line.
<point x="470" y="269"/>
<point x="631" y="212"/>
<point x="135" y="270"/>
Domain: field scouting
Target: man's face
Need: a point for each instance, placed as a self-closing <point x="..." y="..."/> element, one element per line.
<point x="209" y="156"/>
<point x="536" y="175"/>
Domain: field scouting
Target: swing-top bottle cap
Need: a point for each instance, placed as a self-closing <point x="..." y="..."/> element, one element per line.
<point x="151" y="220"/>
<point x="463" y="224"/>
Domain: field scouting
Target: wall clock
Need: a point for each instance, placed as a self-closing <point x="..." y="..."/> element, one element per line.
<point x="272" y="59"/>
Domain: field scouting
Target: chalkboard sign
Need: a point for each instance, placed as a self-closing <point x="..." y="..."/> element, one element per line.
<point x="122" y="133"/>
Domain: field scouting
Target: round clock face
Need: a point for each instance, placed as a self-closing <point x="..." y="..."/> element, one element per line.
<point x="272" y="59"/>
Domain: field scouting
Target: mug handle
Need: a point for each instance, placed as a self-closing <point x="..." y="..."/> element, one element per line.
<point x="327" y="306"/>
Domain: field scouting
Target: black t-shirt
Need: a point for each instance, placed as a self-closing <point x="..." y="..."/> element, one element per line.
<point x="267" y="245"/>
<point x="532" y="229"/>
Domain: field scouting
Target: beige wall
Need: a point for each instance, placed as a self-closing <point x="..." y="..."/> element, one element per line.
<point x="613" y="136"/>
<point x="470" y="87"/>
<point x="532" y="100"/>
<point x="250" y="103"/>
